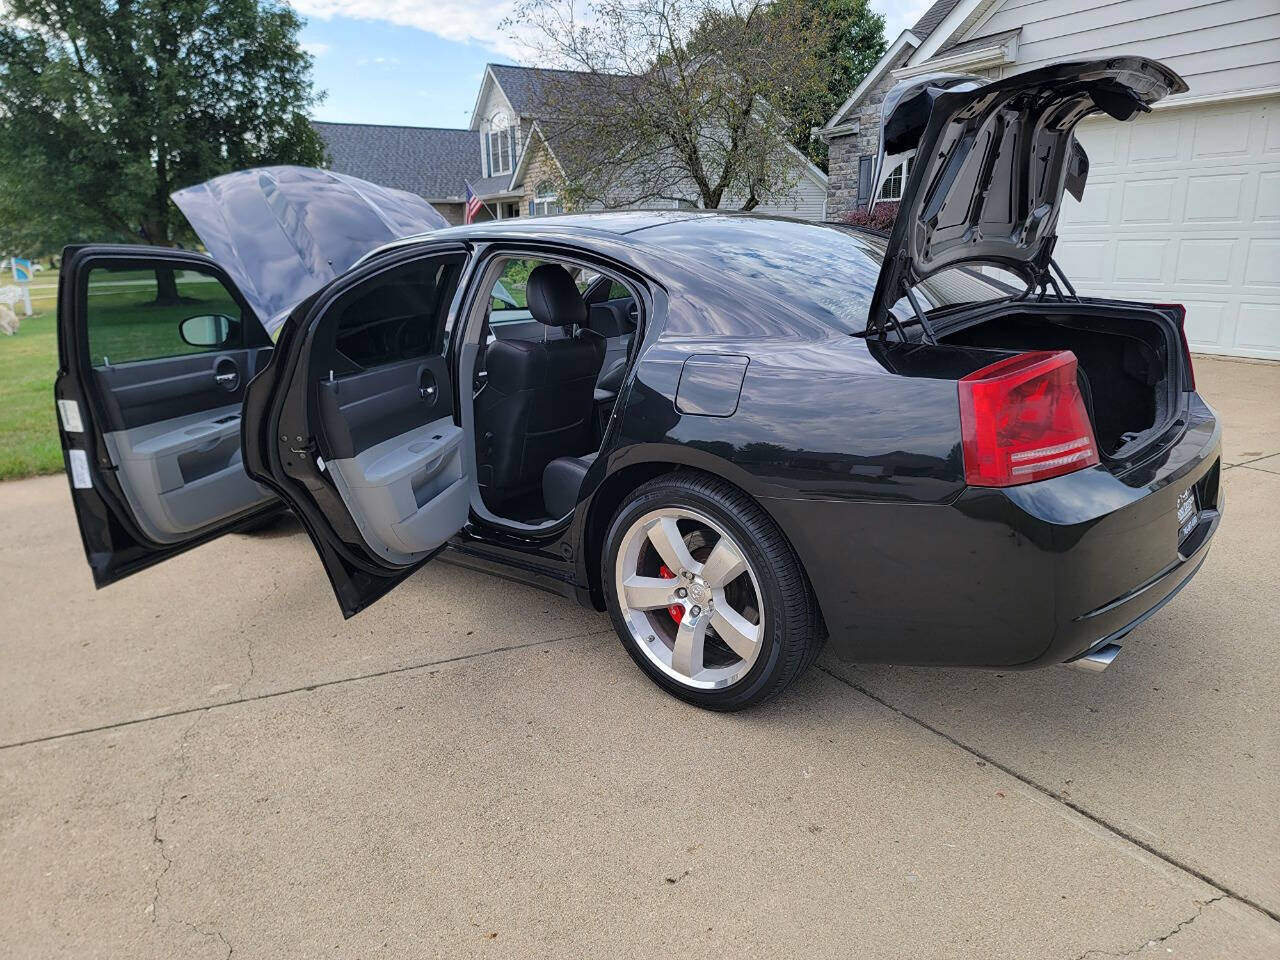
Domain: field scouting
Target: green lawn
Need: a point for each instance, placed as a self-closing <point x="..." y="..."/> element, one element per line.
<point x="124" y="325"/>
<point x="28" y="428"/>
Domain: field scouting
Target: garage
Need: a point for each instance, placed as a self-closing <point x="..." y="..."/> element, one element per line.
<point x="1183" y="205"/>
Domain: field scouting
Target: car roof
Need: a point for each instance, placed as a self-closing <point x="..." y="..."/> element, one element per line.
<point x="823" y="271"/>
<point x="682" y="230"/>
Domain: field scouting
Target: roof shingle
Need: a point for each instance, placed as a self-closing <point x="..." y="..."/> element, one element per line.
<point x="932" y="17"/>
<point x="526" y="87"/>
<point x="433" y="162"/>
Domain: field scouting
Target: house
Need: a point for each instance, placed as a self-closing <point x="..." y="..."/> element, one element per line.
<point x="1182" y="204"/>
<point x="433" y="162"/>
<point x="508" y="155"/>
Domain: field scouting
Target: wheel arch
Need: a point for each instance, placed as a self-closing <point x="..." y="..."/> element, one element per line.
<point x="639" y="466"/>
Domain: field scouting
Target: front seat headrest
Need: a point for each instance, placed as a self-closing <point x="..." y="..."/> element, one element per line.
<point x="553" y="297"/>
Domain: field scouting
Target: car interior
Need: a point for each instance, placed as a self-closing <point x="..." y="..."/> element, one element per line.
<point x="544" y="352"/>
<point x="169" y="356"/>
<point x="551" y="348"/>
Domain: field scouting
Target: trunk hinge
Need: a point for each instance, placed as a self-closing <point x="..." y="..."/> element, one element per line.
<point x="926" y="328"/>
<point x="1048" y="273"/>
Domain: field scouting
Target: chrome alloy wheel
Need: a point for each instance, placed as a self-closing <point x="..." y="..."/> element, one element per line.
<point x="690" y="598"/>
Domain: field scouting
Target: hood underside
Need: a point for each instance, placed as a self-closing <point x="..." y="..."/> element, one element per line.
<point x="284" y="232"/>
<point x="993" y="161"/>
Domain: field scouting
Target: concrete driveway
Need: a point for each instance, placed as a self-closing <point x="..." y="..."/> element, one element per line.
<point x="207" y="760"/>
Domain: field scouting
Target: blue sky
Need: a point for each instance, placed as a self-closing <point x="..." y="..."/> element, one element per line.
<point x="419" y="62"/>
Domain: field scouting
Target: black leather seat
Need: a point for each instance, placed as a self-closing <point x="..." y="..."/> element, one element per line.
<point x="538" y="399"/>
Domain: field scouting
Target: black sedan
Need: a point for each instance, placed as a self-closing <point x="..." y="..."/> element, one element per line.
<point x="742" y="436"/>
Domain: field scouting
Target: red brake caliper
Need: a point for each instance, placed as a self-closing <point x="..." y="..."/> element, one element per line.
<point x="676" y="610"/>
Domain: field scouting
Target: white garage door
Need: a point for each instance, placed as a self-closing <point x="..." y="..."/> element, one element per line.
<point x="1183" y="206"/>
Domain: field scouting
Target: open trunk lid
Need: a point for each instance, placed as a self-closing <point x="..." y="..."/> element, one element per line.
<point x="284" y="232"/>
<point x="992" y="162"/>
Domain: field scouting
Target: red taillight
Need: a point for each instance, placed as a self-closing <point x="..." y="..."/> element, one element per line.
<point x="1181" y="313"/>
<point x="1023" y="419"/>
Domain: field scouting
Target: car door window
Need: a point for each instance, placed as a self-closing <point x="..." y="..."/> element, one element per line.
<point x="398" y="315"/>
<point x="507" y="303"/>
<point x="134" y="313"/>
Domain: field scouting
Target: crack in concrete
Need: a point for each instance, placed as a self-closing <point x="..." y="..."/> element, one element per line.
<point x="158" y="840"/>
<point x="1156" y="941"/>
<point x="212" y="935"/>
<point x="183" y="766"/>
<point x="1245" y="463"/>
<point x="308" y="688"/>
<point x="1111" y="828"/>
<point x="253" y="667"/>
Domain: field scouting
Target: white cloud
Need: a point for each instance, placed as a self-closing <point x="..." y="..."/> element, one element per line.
<point x="477" y="21"/>
<point x="899" y="15"/>
<point x="462" y="21"/>
<point x="316" y="49"/>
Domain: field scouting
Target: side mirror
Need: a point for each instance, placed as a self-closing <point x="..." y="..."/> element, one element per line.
<point x="209" y="330"/>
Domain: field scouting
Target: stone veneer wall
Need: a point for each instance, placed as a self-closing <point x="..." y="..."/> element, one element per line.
<point x="454" y="213"/>
<point x="842" y="162"/>
<point x="542" y="166"/>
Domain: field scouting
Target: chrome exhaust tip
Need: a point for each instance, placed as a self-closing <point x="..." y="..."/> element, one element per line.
<point x="1097" y="660"/>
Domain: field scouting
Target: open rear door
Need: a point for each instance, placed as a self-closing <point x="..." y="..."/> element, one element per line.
<point x="353" y="426"/>
<point x="155" y="350"/>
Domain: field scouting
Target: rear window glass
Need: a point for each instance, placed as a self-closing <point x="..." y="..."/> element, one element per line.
<point x="825" y="271"/>
<point x="955" y="285"/>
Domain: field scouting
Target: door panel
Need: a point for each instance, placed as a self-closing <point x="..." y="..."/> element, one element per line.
<point x="396" y="455"/>
<point x="149" y="390"/>
<point x="363" y="409"/>
<point x="353" y="425"/>
<point x="156" y="463"/>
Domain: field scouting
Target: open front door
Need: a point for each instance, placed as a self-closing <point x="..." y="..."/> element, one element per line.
<point x="354" y="425"/>
<point x="155" y="349"/>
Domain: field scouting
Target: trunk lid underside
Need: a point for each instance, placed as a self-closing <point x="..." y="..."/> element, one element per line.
<point x="992" y="163"/>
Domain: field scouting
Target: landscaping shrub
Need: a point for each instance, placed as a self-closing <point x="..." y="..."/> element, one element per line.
<point x="878" y="218"/>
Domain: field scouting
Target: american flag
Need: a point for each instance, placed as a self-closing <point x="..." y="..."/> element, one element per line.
<point x="473" y="204"/>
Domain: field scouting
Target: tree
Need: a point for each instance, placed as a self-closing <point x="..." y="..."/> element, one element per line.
<point x="673" y="100"/>
<point x="108" y="106"/>
<point x="853" y="40"/>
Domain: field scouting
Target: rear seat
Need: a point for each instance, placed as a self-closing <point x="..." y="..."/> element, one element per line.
<point x="561" y="481"/>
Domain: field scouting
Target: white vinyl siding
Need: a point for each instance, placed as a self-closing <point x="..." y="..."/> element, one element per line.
<point x="1218" y="46"/>
<point x="806" y="200"/>
<point x="1183" y="205"/>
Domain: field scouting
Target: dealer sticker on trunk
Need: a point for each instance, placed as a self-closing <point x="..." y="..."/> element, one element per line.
<point x="1188" y="513"/>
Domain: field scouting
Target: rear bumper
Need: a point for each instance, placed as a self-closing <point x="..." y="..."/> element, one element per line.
<point x="1018" y="577"/>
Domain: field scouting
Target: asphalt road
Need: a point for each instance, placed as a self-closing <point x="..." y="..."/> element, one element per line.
<point x="207" y="760"/>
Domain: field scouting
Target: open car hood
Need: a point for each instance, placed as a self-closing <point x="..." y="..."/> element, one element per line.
<point x="992" y="162"/>
<point x="284" y="232"/>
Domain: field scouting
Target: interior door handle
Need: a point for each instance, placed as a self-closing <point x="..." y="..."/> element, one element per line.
<point x="427" y="388"/>
<point x="226" y="374"/>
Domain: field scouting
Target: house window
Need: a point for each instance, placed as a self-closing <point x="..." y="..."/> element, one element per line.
<point x="545" y="200"/>
<point x="502" y="143"/>
<point x="892" y="189"/>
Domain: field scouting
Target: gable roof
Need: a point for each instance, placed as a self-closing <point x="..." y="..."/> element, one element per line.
<point x="906" y="40"/>
<point x="526" y="87"/>
<point x="932" y="17"/>
<point x="433" y="162"/>
<point x="935" y="27"/>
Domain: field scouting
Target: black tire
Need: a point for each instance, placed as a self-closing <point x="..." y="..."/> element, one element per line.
<point x="794" y="632"/>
